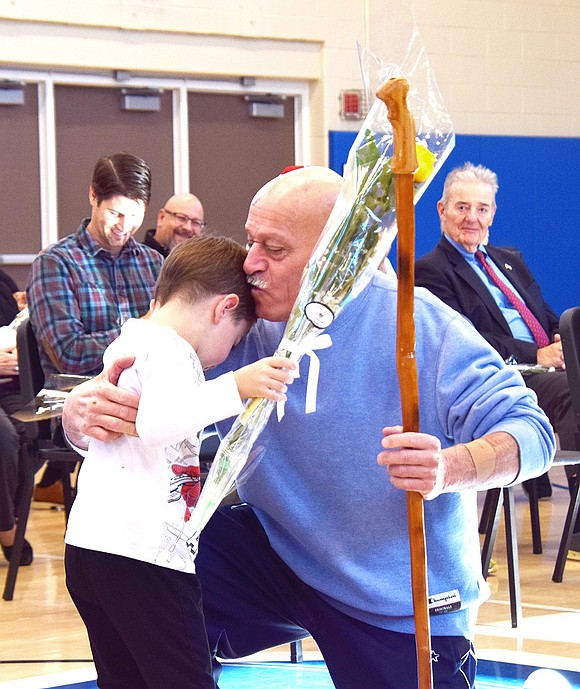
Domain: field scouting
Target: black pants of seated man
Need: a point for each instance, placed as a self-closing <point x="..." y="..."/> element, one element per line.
<point x="10" y="432"/>
<point x="553" y="395"/>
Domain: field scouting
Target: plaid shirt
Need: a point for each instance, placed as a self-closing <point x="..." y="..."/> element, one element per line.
<point x="79" y="296"/>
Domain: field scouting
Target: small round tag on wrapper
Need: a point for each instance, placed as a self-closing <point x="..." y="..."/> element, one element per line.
<point x="319" y="314"/>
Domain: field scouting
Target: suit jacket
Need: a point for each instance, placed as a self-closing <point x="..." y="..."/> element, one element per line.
<point x="445" y="273"/>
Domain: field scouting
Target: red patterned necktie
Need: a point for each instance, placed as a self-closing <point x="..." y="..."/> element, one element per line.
<point x="538" y="333"/>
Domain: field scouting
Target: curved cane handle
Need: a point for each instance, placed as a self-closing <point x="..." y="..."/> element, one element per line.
<point x="393" y="93"/>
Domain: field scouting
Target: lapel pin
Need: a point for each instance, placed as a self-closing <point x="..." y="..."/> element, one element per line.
<point x="507" y="266"/>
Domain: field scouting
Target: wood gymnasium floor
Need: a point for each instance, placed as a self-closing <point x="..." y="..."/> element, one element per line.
<point x="41" y="634"/>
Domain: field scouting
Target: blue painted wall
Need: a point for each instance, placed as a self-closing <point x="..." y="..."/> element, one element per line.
<point x="538" y="203"/>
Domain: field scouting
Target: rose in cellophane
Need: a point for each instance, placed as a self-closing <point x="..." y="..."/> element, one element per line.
<point x="355" y="239"/>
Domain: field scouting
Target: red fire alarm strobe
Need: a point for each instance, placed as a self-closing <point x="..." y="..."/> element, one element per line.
<point x="351" y="104"/>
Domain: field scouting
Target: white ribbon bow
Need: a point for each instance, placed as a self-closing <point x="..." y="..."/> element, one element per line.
<point x="307" y="347"/>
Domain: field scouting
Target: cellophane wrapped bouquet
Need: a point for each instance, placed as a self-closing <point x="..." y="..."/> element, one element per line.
<point x="356" y="238"/>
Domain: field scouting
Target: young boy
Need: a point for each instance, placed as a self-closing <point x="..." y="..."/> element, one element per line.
<point x="128" y="570"/>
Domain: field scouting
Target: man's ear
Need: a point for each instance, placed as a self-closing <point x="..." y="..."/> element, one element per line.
<point x="93" y="197"/>
<point x="225" y="304"/>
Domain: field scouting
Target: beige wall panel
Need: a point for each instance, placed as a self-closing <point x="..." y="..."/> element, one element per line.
<point x="276" y="19"/>
<point x="156" y="52"/>
<point x="517" y="44"/>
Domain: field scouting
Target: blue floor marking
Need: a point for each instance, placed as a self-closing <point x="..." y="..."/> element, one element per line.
<point x="280" y="675"/>
<point x="312" y="674"/>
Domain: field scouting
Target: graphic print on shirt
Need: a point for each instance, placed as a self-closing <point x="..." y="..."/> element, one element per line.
<point x="186" y="484"/>
<point x="183" y="490"/>
<point x="182" y="463"/>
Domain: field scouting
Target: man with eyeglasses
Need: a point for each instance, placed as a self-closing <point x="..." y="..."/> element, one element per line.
<point x="180" y="219"/>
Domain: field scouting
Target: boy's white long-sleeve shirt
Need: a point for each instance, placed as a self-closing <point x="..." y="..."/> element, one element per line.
<point x="134" y="494"/>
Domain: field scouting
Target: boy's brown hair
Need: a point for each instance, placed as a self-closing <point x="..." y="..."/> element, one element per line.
<point x="205" y="266"/>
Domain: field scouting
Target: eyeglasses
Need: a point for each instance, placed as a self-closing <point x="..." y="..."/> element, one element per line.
<point x="185" y="219"/>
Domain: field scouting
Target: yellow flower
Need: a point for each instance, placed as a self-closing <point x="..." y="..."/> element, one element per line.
<point x="426" y="161"/>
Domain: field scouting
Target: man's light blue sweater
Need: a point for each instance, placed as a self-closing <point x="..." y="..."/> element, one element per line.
<point x="330" y="510"/>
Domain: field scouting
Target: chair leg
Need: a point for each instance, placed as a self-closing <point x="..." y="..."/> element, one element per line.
<point x="567" y="532"/>
<point x="535" y="517"/>
<point x="497" y="498"/>
<point x="23" y="510"/>
<point x="67" y="487"/>
<point x="512" y="556"/>
<point x="492" y="511"/>
<point x="486" y="515"/>
<point x="296" y="651"/>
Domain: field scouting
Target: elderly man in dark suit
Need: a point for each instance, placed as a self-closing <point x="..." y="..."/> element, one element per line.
<point x="495" y="290"/>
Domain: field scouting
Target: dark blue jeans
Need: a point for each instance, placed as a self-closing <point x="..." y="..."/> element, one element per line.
<point x="252" y="600"/>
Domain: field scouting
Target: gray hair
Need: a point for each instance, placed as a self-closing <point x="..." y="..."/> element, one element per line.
<point x="469" y="172"/>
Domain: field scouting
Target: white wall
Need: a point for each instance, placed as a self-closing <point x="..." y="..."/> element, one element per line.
<point x="506" y="66"/>
<point x="503" y="66"/>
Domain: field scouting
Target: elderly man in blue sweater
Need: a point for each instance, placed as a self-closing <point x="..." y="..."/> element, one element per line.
<point x="320" y="544"/>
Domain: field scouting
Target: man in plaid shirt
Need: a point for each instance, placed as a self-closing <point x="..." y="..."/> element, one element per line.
<point x="83" y="288"/>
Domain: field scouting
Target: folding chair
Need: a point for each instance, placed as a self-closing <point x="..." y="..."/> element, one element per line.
<point x="36" y="447"/>
<point x="570" y="334"/>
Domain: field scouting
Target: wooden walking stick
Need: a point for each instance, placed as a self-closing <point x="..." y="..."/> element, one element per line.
<point x="393" y="93"/>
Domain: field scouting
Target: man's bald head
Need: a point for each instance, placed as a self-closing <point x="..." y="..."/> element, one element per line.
<point x="180" y="219"/>
<point x="285" y="220"/>
<point x="305" y="197"/>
